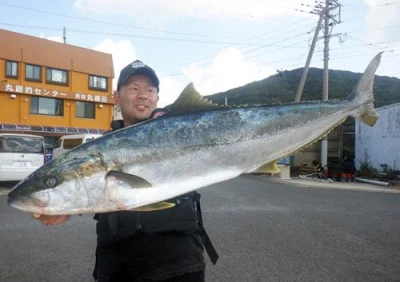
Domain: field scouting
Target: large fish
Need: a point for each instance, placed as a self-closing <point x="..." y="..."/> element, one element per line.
<point x="197" y="143"/>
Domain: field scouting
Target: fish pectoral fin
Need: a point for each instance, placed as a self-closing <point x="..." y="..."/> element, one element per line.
<point x="131" y="180"/>
<point x="155" y="207"/>
<point x="268" y="168"/>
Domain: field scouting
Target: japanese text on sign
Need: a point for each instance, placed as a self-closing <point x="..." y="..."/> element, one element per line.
<point x="44" y="92"/>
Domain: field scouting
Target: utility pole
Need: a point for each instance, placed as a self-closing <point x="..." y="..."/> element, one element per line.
<point x="330" y="21"/>
<point x="310" y="53"/>
<point x="65" y="35"/>
<point x="324" y="12"/>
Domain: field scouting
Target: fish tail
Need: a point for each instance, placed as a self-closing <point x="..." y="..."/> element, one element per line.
<point x="363" y="97"/>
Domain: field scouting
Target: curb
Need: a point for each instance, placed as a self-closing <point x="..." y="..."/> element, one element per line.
<point x="354" y="186"/>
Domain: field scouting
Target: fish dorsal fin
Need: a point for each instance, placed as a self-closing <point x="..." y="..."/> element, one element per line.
<point x="190" y="101"/>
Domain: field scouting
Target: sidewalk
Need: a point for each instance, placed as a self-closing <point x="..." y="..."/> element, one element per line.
<point x="356" y="186"/>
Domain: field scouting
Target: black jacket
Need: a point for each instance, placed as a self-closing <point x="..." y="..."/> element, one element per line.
<point x="184" y="218"/>
<point x="181" y="226"/>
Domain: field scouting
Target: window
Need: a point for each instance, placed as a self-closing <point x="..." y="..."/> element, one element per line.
<point x="33" y="72"/>
<point x="97" y="82"/>
<point x="85" y="109"/>
<point x="58" y="143"/>
<point x="21" y="144"/>
<point x="47" y="106"/>
<point x="12" y="69"/>
<point x="57" y="76"/>
<point x="72" y="143"/>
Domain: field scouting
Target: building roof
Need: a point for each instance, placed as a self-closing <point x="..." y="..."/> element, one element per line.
<point x="29" y="49"/>
<point x="384" y="108"/>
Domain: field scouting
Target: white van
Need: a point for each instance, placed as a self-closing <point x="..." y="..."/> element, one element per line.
<point x="20" y="155"/>
<point x="67" y="142"/>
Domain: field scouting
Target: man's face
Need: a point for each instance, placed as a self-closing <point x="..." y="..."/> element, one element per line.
<point x="137" y="99"/>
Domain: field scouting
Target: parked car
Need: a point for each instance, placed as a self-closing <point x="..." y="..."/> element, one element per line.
<point x="67" y="142"/>
<point x="20" y="155"/>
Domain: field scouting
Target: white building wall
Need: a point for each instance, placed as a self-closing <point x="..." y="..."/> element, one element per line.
<point x="379" y="144"/>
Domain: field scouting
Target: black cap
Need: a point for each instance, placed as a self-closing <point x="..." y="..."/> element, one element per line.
<point x="137" y="67"/>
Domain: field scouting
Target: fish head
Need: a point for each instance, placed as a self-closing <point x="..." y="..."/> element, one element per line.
<point x="56" y="187"/>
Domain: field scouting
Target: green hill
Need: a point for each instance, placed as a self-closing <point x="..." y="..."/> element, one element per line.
<point x="282" y="87"/>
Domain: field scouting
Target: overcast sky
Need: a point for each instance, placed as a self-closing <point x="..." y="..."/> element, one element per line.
<point x="217" y="45"/>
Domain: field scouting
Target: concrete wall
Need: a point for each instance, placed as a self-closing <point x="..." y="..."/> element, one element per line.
<point x="380" y="144"/>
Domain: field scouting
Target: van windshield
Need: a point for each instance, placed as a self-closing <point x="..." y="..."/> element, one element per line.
<point x="21" y="144"/>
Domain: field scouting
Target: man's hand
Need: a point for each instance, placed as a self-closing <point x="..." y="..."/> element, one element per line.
<point x="51" y="219"/>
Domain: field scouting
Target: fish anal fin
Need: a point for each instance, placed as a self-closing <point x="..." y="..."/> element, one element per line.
<point x="155" y="207"/>
<point x="129" y="180"/>
<point x="270" y="167"/>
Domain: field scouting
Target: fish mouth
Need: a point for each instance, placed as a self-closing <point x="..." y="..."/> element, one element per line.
<point x="28" y="204"/>
<point x="11" y="201"/>
<point x="20" y="205"/>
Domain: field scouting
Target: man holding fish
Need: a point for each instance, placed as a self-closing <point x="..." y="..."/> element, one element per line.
<point x="154" y="245"/>
<point x="156" y="165"/>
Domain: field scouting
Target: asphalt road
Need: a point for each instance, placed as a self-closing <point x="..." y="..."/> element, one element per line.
<point x="263" y="230"/>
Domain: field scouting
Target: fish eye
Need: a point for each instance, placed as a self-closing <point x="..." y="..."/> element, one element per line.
<point x="50" y="181"/>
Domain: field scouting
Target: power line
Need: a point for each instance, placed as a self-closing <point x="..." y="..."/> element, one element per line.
<point x="260" y="45"/>
<point x="131" y="35"/>
<point x="266" y="43"/>
<point x="103" y="22"/>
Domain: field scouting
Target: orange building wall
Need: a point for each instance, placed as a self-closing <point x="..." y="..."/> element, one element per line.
<point x="10" y="109"/>
<point x="17" y="110"/>
<point x="78" y="62"/>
